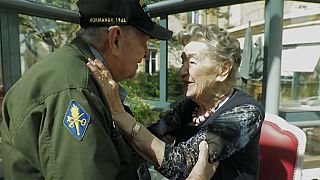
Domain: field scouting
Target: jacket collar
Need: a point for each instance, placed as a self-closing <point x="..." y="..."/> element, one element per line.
<point x="82" y="48"/>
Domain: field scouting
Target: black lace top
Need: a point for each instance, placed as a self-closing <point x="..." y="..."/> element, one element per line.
<point x="226" y="132"/>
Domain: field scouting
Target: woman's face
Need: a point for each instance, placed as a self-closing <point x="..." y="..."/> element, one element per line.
<point x="198" y="71"/>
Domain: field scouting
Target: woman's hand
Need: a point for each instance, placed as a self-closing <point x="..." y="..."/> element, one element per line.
<point x="107" y="85"/>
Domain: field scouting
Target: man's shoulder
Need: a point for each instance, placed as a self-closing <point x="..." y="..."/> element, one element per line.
<point x="62" y="69"/>
<point x="64" y="58"/>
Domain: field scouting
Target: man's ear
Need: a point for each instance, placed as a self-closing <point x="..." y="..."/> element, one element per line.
<point x="113" y="37"/>
<point x="225" y="70"/>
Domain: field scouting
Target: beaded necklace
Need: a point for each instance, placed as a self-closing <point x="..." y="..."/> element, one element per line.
<point x="198" y="120"/>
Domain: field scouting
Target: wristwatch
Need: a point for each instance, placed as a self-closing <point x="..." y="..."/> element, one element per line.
<point x="135" y="129"/>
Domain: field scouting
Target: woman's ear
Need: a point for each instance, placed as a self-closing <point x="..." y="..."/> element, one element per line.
<point x="225" y="70"/>
<point x="113" y="37"/>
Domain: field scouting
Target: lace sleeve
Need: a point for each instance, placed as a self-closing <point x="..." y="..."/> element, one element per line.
<point x="234" y="129"/>
<point x="169" y="123"/>
<point x="231" y="131"/>
<point x="179" y="160"/>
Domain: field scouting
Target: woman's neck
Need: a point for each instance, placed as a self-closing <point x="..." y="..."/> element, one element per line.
<point x="210" y="102"/>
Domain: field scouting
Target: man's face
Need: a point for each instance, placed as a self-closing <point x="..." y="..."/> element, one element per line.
<point x="133" y="48"/>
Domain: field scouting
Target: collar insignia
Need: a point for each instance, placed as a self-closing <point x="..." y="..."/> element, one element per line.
<point x="76" y="120"/>
<point x="141" y="2"/>
<point x="144" y="7"/>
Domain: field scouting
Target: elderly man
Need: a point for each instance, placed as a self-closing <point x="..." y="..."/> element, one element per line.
<point x="56" y="125"/>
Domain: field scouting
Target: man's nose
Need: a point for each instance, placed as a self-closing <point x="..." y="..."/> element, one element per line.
<point x="146" y="52"/>
<point x="183" y="70"/>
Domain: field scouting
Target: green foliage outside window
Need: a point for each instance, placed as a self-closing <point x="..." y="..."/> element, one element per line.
<point x="146" y="86"/>
<point x="143" y="113"/>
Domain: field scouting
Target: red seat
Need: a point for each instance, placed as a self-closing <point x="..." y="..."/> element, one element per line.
<point x="282" y="148"/>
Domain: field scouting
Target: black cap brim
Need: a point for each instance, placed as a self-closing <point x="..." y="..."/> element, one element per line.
<point x="155" y="31"/>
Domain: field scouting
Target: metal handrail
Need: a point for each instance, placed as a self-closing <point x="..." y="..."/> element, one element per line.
<point x="39" y="10"/>
<point x="178" y="6"/>
<point x="306" y="124"/>
<point x="157" y="9"/>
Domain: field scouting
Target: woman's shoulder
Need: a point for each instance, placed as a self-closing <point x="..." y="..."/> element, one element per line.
<point x="241" y="98"/>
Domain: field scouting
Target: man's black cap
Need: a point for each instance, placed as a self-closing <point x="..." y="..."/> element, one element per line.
<point x="120" y="12"/>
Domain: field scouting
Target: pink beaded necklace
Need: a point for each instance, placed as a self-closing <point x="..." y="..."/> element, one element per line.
<point x="198" y="120"/>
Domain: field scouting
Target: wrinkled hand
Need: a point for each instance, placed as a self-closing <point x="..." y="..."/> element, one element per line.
<point x="203" y="170"/>
<point x="107" y="85"/>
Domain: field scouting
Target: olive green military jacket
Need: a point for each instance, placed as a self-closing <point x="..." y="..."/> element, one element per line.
<point x="56" y="125"/>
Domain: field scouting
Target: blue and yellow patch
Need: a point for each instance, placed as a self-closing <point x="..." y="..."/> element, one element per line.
<point x="76" y="120"/>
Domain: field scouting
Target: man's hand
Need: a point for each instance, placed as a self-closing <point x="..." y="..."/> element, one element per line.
<point x="203" y="170"/>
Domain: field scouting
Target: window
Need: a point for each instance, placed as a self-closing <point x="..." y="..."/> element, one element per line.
<point x="39" y="37"/>
<point x="151" y="62"/>
<point x="65" y="4"/>
<point x="300" y="74"/>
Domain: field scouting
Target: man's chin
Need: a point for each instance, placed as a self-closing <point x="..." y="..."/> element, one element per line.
<point x="132" y="75"/>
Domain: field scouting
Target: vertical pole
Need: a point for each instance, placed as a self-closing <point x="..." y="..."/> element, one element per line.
<point x="272" y="55"/>
<point x="10" y="48"/>
<point x="163" y="63"/>
<point x="295" y="86"/>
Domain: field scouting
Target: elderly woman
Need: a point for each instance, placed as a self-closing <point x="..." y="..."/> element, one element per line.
<point x="227" y="118"/>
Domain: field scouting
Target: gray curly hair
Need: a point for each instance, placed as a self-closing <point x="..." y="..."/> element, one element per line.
<point x="92" y="35"/>
<point x="221" y="45"/>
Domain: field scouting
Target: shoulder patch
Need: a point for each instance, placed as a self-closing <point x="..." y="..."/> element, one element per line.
<point x="76" y="120"/>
